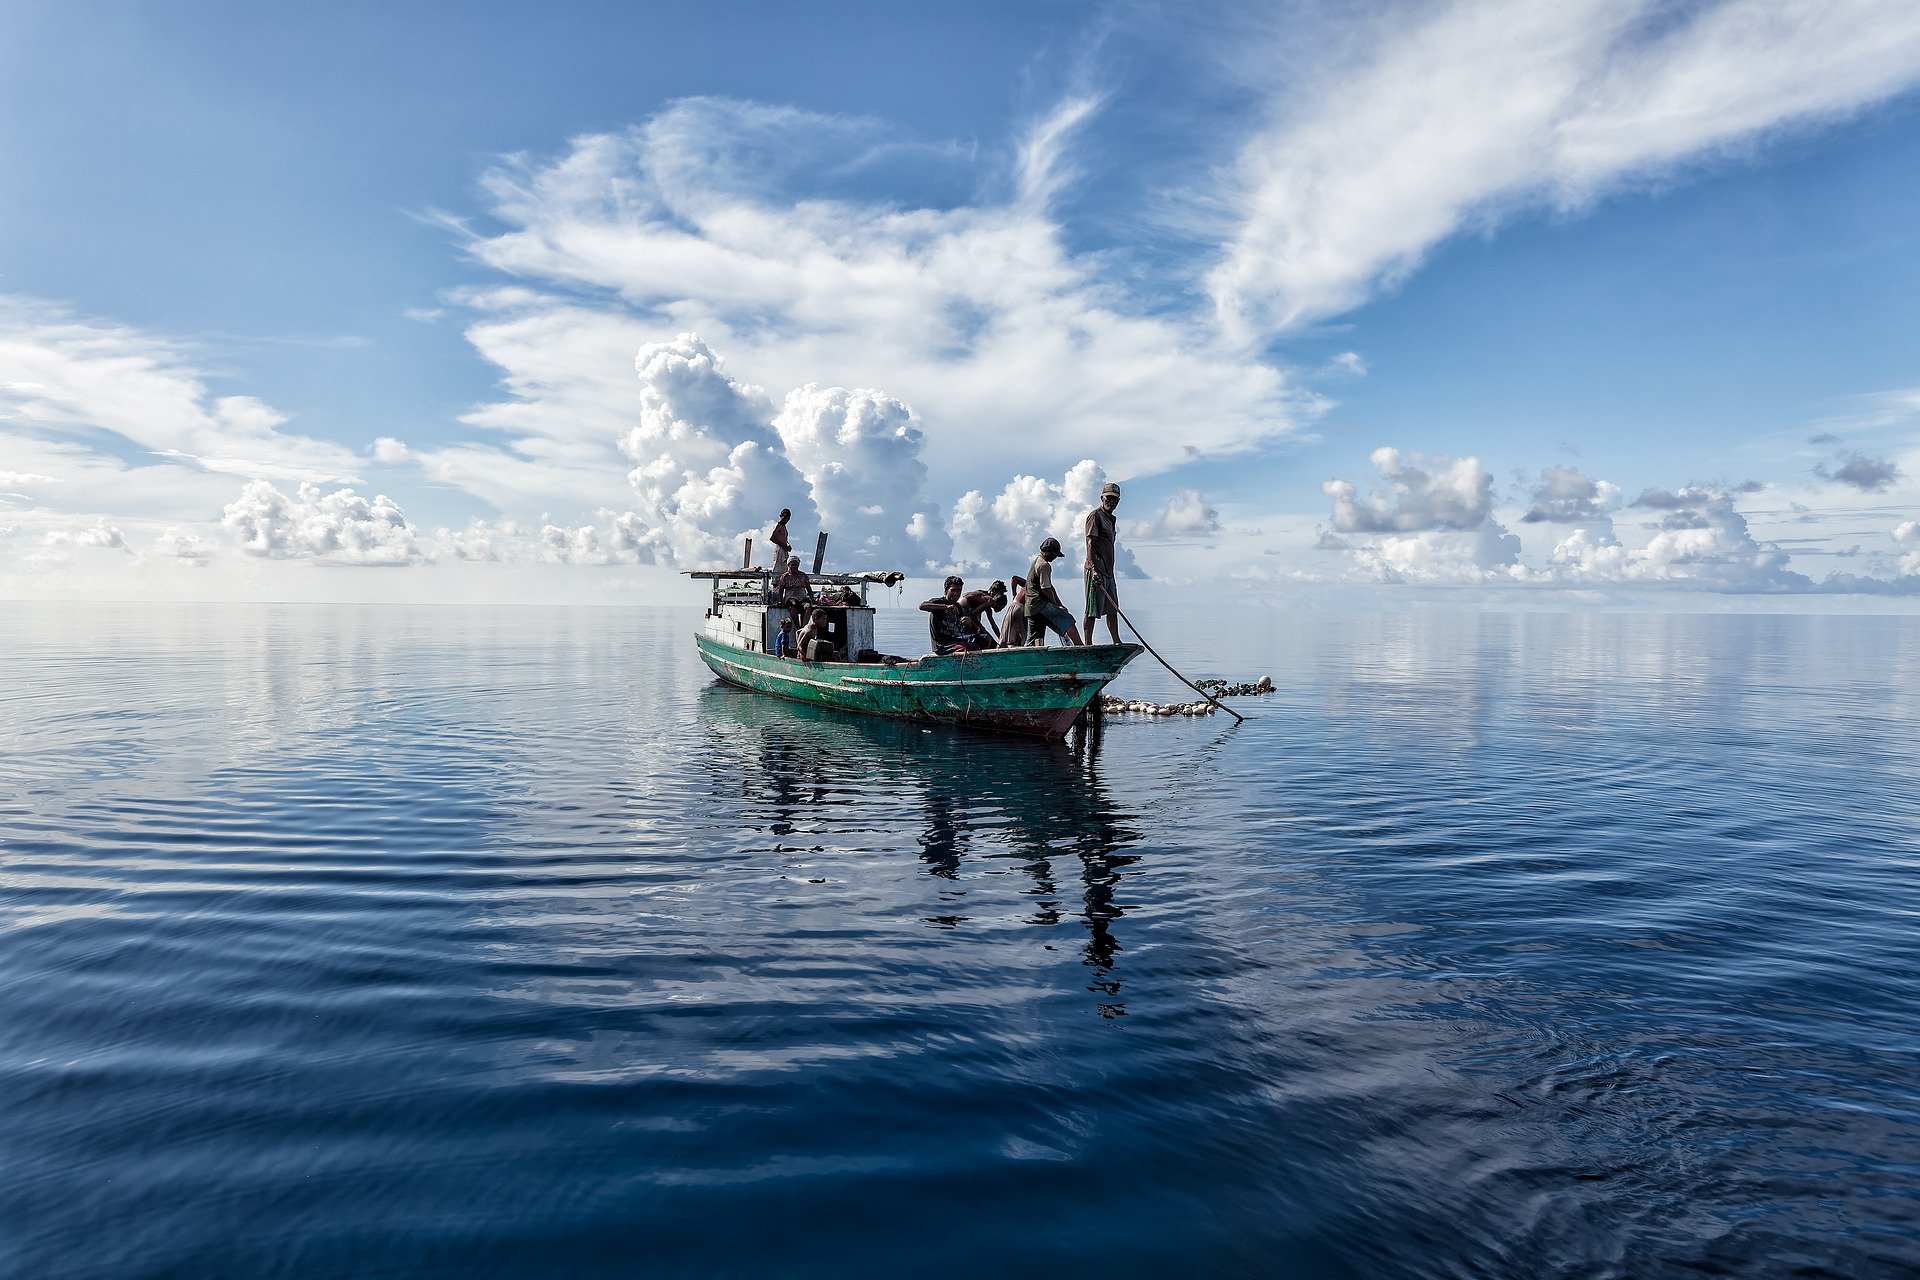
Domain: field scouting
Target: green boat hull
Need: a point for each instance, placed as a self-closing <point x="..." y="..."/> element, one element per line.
<point x="1035" y="692"/>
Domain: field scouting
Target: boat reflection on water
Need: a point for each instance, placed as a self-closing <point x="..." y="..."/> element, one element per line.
<point x="789" y="768"/>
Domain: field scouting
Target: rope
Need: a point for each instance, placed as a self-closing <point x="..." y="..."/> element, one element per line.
<point x="1115" y="606"/>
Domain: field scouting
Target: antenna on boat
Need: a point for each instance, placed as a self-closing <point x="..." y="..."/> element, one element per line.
<point x="820" y="551"/>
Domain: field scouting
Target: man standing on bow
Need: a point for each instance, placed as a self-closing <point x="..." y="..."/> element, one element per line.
<point x="1103" y="587"/>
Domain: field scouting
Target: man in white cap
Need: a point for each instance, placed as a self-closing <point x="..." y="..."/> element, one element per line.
<point x="1103" y="587"/>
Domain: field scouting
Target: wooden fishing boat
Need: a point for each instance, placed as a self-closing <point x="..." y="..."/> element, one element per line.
<point x="1033" y="691"/>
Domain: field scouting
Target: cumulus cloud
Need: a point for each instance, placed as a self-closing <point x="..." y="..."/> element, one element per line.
<point x="1860" y="471"/>
<point x="860" y="454"/>
<point x="1427" y="520"/>
<point x="390" y="451"/>
<point x="1448" y="557"/>
<point x="708" y="467"/>
<point x="1187" y="515"/>
<point x="1701" y="541"/>
<point x="1906" y="536"/>
<point x="1565" y="496"/>
<point x="1431" y="522"/>
<point x="178" y="544"/>
<point x="339" y="527"/>
<point x="1385" y="139"/>
<point x="1009" y="527"/>
<point x="619" y="538"/>
<point x="740" y="221"/>
<point x="101" y="536"/>
<point x="482" y="541"/>
<point x="1417" y="493"/>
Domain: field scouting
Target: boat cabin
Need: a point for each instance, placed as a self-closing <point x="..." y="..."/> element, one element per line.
<point x="745" y="615"/>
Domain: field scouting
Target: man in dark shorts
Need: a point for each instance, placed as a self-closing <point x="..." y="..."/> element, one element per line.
<point x="954" y="626"/>
<point x="977" y="609"/>
<point x="1103" y="588"/>
<point x="1044" y="610"/>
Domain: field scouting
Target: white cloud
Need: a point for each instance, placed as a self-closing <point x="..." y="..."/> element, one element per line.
<point x="552" y="445"/>
<point x="1187" y="515"/>
<point x="101" y="390"/>
<point x="860" y="454"/>
<point x="1906" y="536"/>
<point x="708" y="468"/>
<point x="13" y="479"/>
<point x="178" y="544"/>
<point x="1420" y="493"/>
<point x="1443" y="557"/>
<point x="1407" y="126"/>
<point x="619" y="538"/>
<point x="1565" y="496"/>
<point x="732" y="219"/>
<point x="1429" y="520"/>
<point x="100" y="535"/>
<point x="1009" y="527"/>
<point x="390" y="451"/>
<point x="1432" y="522"/>
<point x="338" y="527"/>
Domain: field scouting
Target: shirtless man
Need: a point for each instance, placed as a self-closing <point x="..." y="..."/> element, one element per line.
<point x="977" y="609"/>
<point x="813" y="642"/>
<point x="781" y="551"/>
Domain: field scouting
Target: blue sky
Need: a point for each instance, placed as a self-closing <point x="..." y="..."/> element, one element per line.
<point x="1225" y="254"/>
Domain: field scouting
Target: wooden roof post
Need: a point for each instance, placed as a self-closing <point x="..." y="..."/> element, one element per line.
<point x="820" y="551"/>
<point x="746" y="556"/>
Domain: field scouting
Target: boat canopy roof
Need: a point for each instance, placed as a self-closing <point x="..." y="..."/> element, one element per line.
<point x="885" y="578"/>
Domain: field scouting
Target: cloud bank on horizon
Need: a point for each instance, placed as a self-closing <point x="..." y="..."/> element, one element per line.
<point x="935" y="359"/>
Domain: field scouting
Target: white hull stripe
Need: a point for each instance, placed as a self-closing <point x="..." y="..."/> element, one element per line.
<point x="1061" y="677"/>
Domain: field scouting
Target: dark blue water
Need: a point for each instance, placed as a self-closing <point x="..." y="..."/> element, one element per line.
<point x="383" y="942"/>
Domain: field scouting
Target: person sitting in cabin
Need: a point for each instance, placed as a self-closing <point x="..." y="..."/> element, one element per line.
<point x="813" y="641"/>
<point x="1014" y="634"/>
<point x="976" y="614"/>
<point x="778" y="537"/>
<point x="786" y="642"/>
<point x="1044" y="610"/>
<point x="945" y="628"/>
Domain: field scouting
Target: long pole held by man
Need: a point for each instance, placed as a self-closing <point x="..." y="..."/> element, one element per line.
<point x="1103" y="585"/>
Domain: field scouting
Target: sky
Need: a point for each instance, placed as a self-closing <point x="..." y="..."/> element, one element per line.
<point x="1481" y="303"/>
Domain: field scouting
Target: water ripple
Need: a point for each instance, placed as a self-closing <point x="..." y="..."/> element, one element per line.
<point x="441" y="942"/>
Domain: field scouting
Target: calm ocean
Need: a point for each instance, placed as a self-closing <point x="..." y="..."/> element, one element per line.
<point x="442" y="942"/>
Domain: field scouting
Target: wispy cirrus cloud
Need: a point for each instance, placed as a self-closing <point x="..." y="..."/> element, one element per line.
<point x="1409" y="124"/>
<point x="114" y="391"/>
<point x="740" y="222"/>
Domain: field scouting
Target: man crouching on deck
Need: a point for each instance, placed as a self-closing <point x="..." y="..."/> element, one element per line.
<point x="1044" y="610"/>
<point x="1103" y="590"/>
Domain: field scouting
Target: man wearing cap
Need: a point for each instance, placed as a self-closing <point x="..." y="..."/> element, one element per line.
<point x="1044" y="609"/>
<point x="1103" y="588"/>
